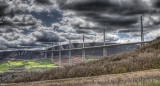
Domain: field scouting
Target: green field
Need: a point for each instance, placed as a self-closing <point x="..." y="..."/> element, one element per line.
<point x="27" y="66"/>
<point x="90" y="60"/>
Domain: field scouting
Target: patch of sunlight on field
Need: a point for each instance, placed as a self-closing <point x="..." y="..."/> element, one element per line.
<point x="28" y="66"/>
<point x="90" y="60"/>
<point x="4" y="67"/>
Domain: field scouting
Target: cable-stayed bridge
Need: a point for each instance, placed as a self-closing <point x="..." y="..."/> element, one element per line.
<point x="72" y="53"/>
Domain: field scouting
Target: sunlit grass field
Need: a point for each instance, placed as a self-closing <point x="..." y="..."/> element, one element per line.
<point x="27" y="66"/>
<point x="90" y="60"/>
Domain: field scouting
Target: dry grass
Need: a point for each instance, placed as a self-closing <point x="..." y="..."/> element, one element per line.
<point x="140" y="78"/>
<point x="145" y="58"/>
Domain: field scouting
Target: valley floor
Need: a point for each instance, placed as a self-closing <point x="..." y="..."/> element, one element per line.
<point x="139" y="78"/>
<point x="26" y="66"/>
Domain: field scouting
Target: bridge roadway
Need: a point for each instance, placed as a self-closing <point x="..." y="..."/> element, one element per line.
<point x="102" y="46"/>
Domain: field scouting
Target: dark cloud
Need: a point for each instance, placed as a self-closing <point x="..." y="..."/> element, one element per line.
<point x="126" y="31"/>
<point x="81" y="30"/>
<point x="43" y="36"/>
<point x="110" y="23"/>
<point x="85" y="5"/>
<point x="157" y="3"/>
<point x="109" y="14"/>
<point x="5" y="10"/>
<point x="43" y="2"/>
<point x="113" y="20"/>
<point x="124" y="7"/>
<point x="48" y="18"/>
<point x="3" y="7"/>
<point x="5" y="23"/>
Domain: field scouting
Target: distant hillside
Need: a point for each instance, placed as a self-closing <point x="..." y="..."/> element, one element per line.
<point x="144" y="58"/>
<point x="20" y="55"/>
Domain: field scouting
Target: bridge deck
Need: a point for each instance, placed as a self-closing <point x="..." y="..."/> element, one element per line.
<point x="100" y="46"/>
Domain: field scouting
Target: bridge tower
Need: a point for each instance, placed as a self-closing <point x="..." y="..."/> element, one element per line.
<point x="83" y="51"/>
<point x="104" y="43"/>
<point x="142" y="34"/>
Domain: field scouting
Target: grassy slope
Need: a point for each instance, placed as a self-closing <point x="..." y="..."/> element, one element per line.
<point x="145" y="58"/>
<point x="28" y="66"/>
<point x="139" y="78"/>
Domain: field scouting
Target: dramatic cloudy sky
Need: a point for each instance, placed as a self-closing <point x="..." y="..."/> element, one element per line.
<point x="38" y="24"/>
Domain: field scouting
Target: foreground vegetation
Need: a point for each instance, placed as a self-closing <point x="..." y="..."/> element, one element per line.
<point x="145" y="58"/>
<point x="27" y="66"/>
<point x="139" y="78"/>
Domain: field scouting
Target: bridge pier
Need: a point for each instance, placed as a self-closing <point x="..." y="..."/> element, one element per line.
<point x="70" y="58"/>
<point x="83" y="56"/>
<point x="70" y="52"/>
<point x="52" y="56"/>
<point x="104" y="51"/>
<point x="45" y="55"/>
<point x="60" y="58"/>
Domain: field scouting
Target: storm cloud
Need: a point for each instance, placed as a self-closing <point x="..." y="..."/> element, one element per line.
<point x="124" y="7"/>
<point x="43" y="2"/>
<point x="156" y="3"/>
<point x="5" y="9"/>
<point x="110" y="14"/>
<point x="33" y="22"/>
